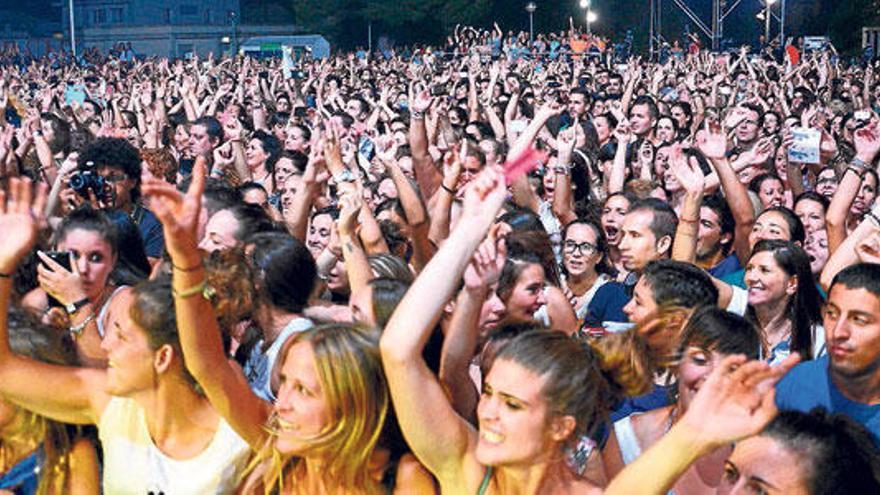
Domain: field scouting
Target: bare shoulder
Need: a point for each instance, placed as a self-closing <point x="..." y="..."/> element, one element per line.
<point x="412" y="477"/>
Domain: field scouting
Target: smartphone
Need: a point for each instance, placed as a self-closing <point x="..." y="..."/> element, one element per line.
<point x="63" y="259"/>
<point x="438" y="90"/>
<point x="60" y="257"/>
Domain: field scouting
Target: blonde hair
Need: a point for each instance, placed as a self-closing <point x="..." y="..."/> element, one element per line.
<point x="28" y="337"/>
<point x="351" y="376"/>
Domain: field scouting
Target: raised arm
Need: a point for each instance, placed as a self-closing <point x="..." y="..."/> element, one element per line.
<point x="713" y="144"/>
<point x="847" y="253"/>
<point x="357" y="265"/>
<point x="438" y="436"/>
<point x="867" y="144"/>
<point x="200" y="336"/>
<point x="563" y="205"/>
<point x="416" y="213"/>
<point x="460" y="342"/>
<point x="427" y="175"/>
<point x="735" y="402"/>
<point x="70" y="395"/>
<point x="691" y="178"/>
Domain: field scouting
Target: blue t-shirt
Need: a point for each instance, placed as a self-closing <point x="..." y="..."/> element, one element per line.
<point x="728" y="265"/>
<point x="151" y="231"/>
<point x="809" y="385"/>
<point x="737" y="278"/>
<point x="659" y="396"/>
<point x="607" y="305"/>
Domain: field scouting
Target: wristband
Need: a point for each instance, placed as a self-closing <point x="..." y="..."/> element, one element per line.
<point x="857" y="163"/>
<point x="188" y="269"/>
<point x="201" y="288"/>
<point x="447" y="189"/>
<point x="5" y="275"/>
<point x="874" y="219"/>
<point x="416" y="115"/>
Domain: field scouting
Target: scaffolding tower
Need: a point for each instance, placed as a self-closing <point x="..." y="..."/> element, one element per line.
<point x="714" y="30"/>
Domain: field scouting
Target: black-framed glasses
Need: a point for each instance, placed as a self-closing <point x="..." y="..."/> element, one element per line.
<point x="584" y="248"/>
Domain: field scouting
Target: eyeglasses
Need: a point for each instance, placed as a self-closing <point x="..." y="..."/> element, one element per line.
<point x="115" y="178"/>
<point x="583" y="247"/>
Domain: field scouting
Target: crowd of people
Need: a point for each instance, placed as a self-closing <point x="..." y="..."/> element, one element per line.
<point x="489" y="268"/>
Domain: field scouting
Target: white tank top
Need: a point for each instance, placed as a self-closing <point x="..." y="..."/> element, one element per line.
<point x="134" y="465"/>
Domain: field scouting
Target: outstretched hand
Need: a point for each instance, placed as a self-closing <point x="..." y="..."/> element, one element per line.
<point x="21" y="214"/>
<point x="736" y="401"/>
<point x="179" y="213"/>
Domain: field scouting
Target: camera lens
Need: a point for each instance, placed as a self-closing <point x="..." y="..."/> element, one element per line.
<point x="77" y="181"/>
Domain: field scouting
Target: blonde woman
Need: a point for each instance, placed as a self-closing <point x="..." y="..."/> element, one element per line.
<point x="157" y="431"/>
<point x="37" y="455"/>
<point x="324" y="429"/>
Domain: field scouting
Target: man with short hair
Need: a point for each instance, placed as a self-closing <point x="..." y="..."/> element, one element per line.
<point x="642" y="117"/>
<point x="205" y="134"/>
<point x="747" y="131"/>
<point x="664" y="284"/>
<point x="847" y="379"/>
<point x="647" y="233"/>
<point x="715" y="237"/>
<point x="578" y="103"/>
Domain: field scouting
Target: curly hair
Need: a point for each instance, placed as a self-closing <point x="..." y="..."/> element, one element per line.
<point x="161" y="163"/>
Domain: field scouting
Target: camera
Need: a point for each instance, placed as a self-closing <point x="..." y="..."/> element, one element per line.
<point x="84" y="181"/>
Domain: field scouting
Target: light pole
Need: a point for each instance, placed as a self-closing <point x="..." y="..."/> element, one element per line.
<point x="767" y="15"/>
<point x="72" y="30"/>
<point x="232" y="18"/>
<point x="531" y="7"/>
<point x="590" y="16"/>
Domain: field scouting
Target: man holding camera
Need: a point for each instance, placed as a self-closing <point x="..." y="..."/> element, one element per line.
<point x="108" y="175"/>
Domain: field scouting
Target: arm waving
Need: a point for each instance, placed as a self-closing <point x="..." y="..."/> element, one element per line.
<point x="71" y="395"/>
<point x="738" y="396"/>
<point x="200" y="338"/>
<point x="438" y="436"/>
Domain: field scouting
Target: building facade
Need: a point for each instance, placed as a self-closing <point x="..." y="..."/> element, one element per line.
<point x="168" y="28"/>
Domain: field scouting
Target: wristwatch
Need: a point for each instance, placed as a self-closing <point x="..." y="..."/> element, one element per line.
<point x="73" y="307"/>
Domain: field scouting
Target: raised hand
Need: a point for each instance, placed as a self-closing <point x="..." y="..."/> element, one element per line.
<point x="736" y="401"/>
<point x="623" y="133"/>
<point x="566" y="141"/>
<point x="484" y="196"/>
<point x="21" y="214"/>
<point x="488" y="261"/>
<point x="422" y="101"/>
<point x="867" y="142"/>
<point x="712" y="142"/>
<point x="868" y="250"/>
<point x="687" y="171"/>
<point x="351" y="205"/>
<point x="761" y="152"/>
<point x="735" y="117"/>
<point x="179" y="213"/>
<point x="64" y="285"/>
